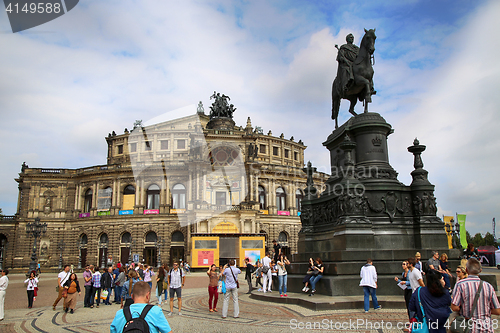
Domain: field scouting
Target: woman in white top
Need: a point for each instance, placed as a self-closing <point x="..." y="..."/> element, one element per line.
<point x="282" y="274"/>
<point x="32" y="282"/>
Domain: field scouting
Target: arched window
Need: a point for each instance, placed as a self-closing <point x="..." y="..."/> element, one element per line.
<point x="84" y="239"/>
<point x="281" y="198"/>
<point x="151" y="237"/>
<point x="298" y="200"/>
<point x="179" y="196"/>
<point x="88" y="201"/>
<point x="153" y="199"/>
<point x="177" y="237"/>
<point x="104" y="198"/>
<point x="103" y="239"/>
<point x="283" y="237"/>
<point x="128" y="197"/>
<point x="262" y="198"/>
<point x="126" y="237"/>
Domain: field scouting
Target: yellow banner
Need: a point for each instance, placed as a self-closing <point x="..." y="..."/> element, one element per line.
<point x="448" y="226"/>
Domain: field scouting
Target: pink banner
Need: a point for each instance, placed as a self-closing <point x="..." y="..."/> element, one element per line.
<point x="151" y="211"/>
<point x="84" y="215"/>
<point x="283" y="212"/>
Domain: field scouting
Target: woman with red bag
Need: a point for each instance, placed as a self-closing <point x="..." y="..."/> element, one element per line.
<point x="32" y="282"/>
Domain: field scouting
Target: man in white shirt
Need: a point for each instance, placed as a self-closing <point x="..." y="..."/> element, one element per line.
<point x="61" y="279"/>
<point x="266" y="265"/>
<point x="414" y="275"/>
<point x="4" y="283"/>
<point x="369" y="283"/>
<point x="176" y="279"/>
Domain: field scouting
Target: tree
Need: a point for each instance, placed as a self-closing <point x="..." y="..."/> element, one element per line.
<point x="1" y="213"/>
<point x="489" y="239"/>
<point x="478" y="240"/>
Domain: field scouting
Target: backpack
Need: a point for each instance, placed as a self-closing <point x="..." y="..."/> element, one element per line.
<point x="170" y="273"/>
<point x="136" y="325"/>
<point x="265" y="269"/>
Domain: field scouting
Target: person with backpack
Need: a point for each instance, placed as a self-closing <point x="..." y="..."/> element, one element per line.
<point x="248" y="274"/>
<point x="140" y="316"/>
<point x="176" y="279"/>
<point x="230" y="273"/>
<point x="266" y="272"/>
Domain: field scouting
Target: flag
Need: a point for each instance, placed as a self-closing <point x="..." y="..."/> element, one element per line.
<point x="463" y="232"/>
<point x="447" y="221"/>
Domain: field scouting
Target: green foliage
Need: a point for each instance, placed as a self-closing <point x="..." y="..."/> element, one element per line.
<point x="1" y="213"/>
<point x="488" y="239"/>
<point x="478" y="240"/>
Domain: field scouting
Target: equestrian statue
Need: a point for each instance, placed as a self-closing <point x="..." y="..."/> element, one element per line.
<point x="354" y="78"/>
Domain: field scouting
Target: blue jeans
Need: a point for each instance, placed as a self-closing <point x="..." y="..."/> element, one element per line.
<point x="118" y="293"/>
<point x="314" y="280"/>
<point x="370" y="291"/>
<point x="109" y="295"/>
<point x="446" y="280"/>
<point x="282" y="279"/>
<point x="150" y="284"/>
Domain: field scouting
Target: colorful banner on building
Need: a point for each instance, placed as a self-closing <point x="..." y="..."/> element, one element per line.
<point x="205" y="258"/>
<point x="463" y="232"/>
<point x="126" y="212"/>
<point x="283" y="212"/>
<point x="151" y="211"/>
<point x="448" y="227"/>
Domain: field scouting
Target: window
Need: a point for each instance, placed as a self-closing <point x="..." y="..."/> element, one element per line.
<point x="275" y="151"/>
<point x="281" y="198"/>
<point x="295" y="155"/>
<point x="262" y="149"/>
<point x="148" y="145"/>
<point x="133" y="147"/>
<point x="120" y="149"/>
<point x="287" y="152"/>
<point x="151" y="237"/>
<point x="164" y="144"/>
<point x="220" y="198"/>
<point x="262" y="198"/>
<point x="126" y="237"/>
<point x="104" y="198"/>
<point x="181" y="144"/>
<point x="298" y="199"/>
<point x="103" y="239"/>
<point x="179" y="196"/>
<point x="205" y="244"/>
<point x="153" y="197"/>
<point x="177" y="237"/>
<point x="128" y="198"/>
<point x="251" y="244"/>
<point x="84" y="239"/>
<point x="88" y="201"/>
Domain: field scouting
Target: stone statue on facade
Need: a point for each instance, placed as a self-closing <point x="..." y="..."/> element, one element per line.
<point x="354" y="78"/>
<point x="220" y="107"/>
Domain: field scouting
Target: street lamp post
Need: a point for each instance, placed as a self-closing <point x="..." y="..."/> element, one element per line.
<point x="103" y="246"/>
<point x="80" y="247"/>
<point x="2" y="249"/>
<point x="453" y="229"/>
<point x="159" y="243"/>
<point x="35" y="229"/>
<point x="60" y="246"/>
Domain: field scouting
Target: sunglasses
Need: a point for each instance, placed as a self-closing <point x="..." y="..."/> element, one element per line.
<point x="404" y="264"/>
<point x="458" y="271"/>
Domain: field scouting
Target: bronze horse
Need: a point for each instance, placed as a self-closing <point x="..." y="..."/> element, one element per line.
<point x="362" y="87"/>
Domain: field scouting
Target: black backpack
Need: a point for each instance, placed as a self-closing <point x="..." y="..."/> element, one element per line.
<point x="136" y="325"/>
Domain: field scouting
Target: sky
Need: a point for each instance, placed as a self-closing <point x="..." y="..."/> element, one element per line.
<point x="66" y="84"/>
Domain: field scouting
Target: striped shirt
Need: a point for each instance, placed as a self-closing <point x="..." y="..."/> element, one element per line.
<point x="463" y="296"/>
<point x="96" y="280"/>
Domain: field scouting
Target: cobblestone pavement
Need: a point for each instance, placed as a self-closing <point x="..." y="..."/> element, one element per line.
<point x="259" y="315"/>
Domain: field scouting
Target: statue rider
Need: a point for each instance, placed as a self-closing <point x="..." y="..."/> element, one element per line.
<point x="346" y="56"/>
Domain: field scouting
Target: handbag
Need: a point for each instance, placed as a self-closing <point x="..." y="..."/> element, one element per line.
<point x="237" y="282"/>
<point x="104" y="294"/>
<point x="219" y="286"/>
<point x="165" y="285"/>
<point x="36" y="292"/>
<point x="420" y="327"/>
<point x="65" y="293"/>
<point x="223" y="287"/>
<point x="460" y="323"/>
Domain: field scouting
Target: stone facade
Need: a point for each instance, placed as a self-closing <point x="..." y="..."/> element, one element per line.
<point x="161" y="183"/>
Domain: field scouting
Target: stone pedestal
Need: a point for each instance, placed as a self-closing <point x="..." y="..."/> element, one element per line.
<point x="365" y="212"/>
